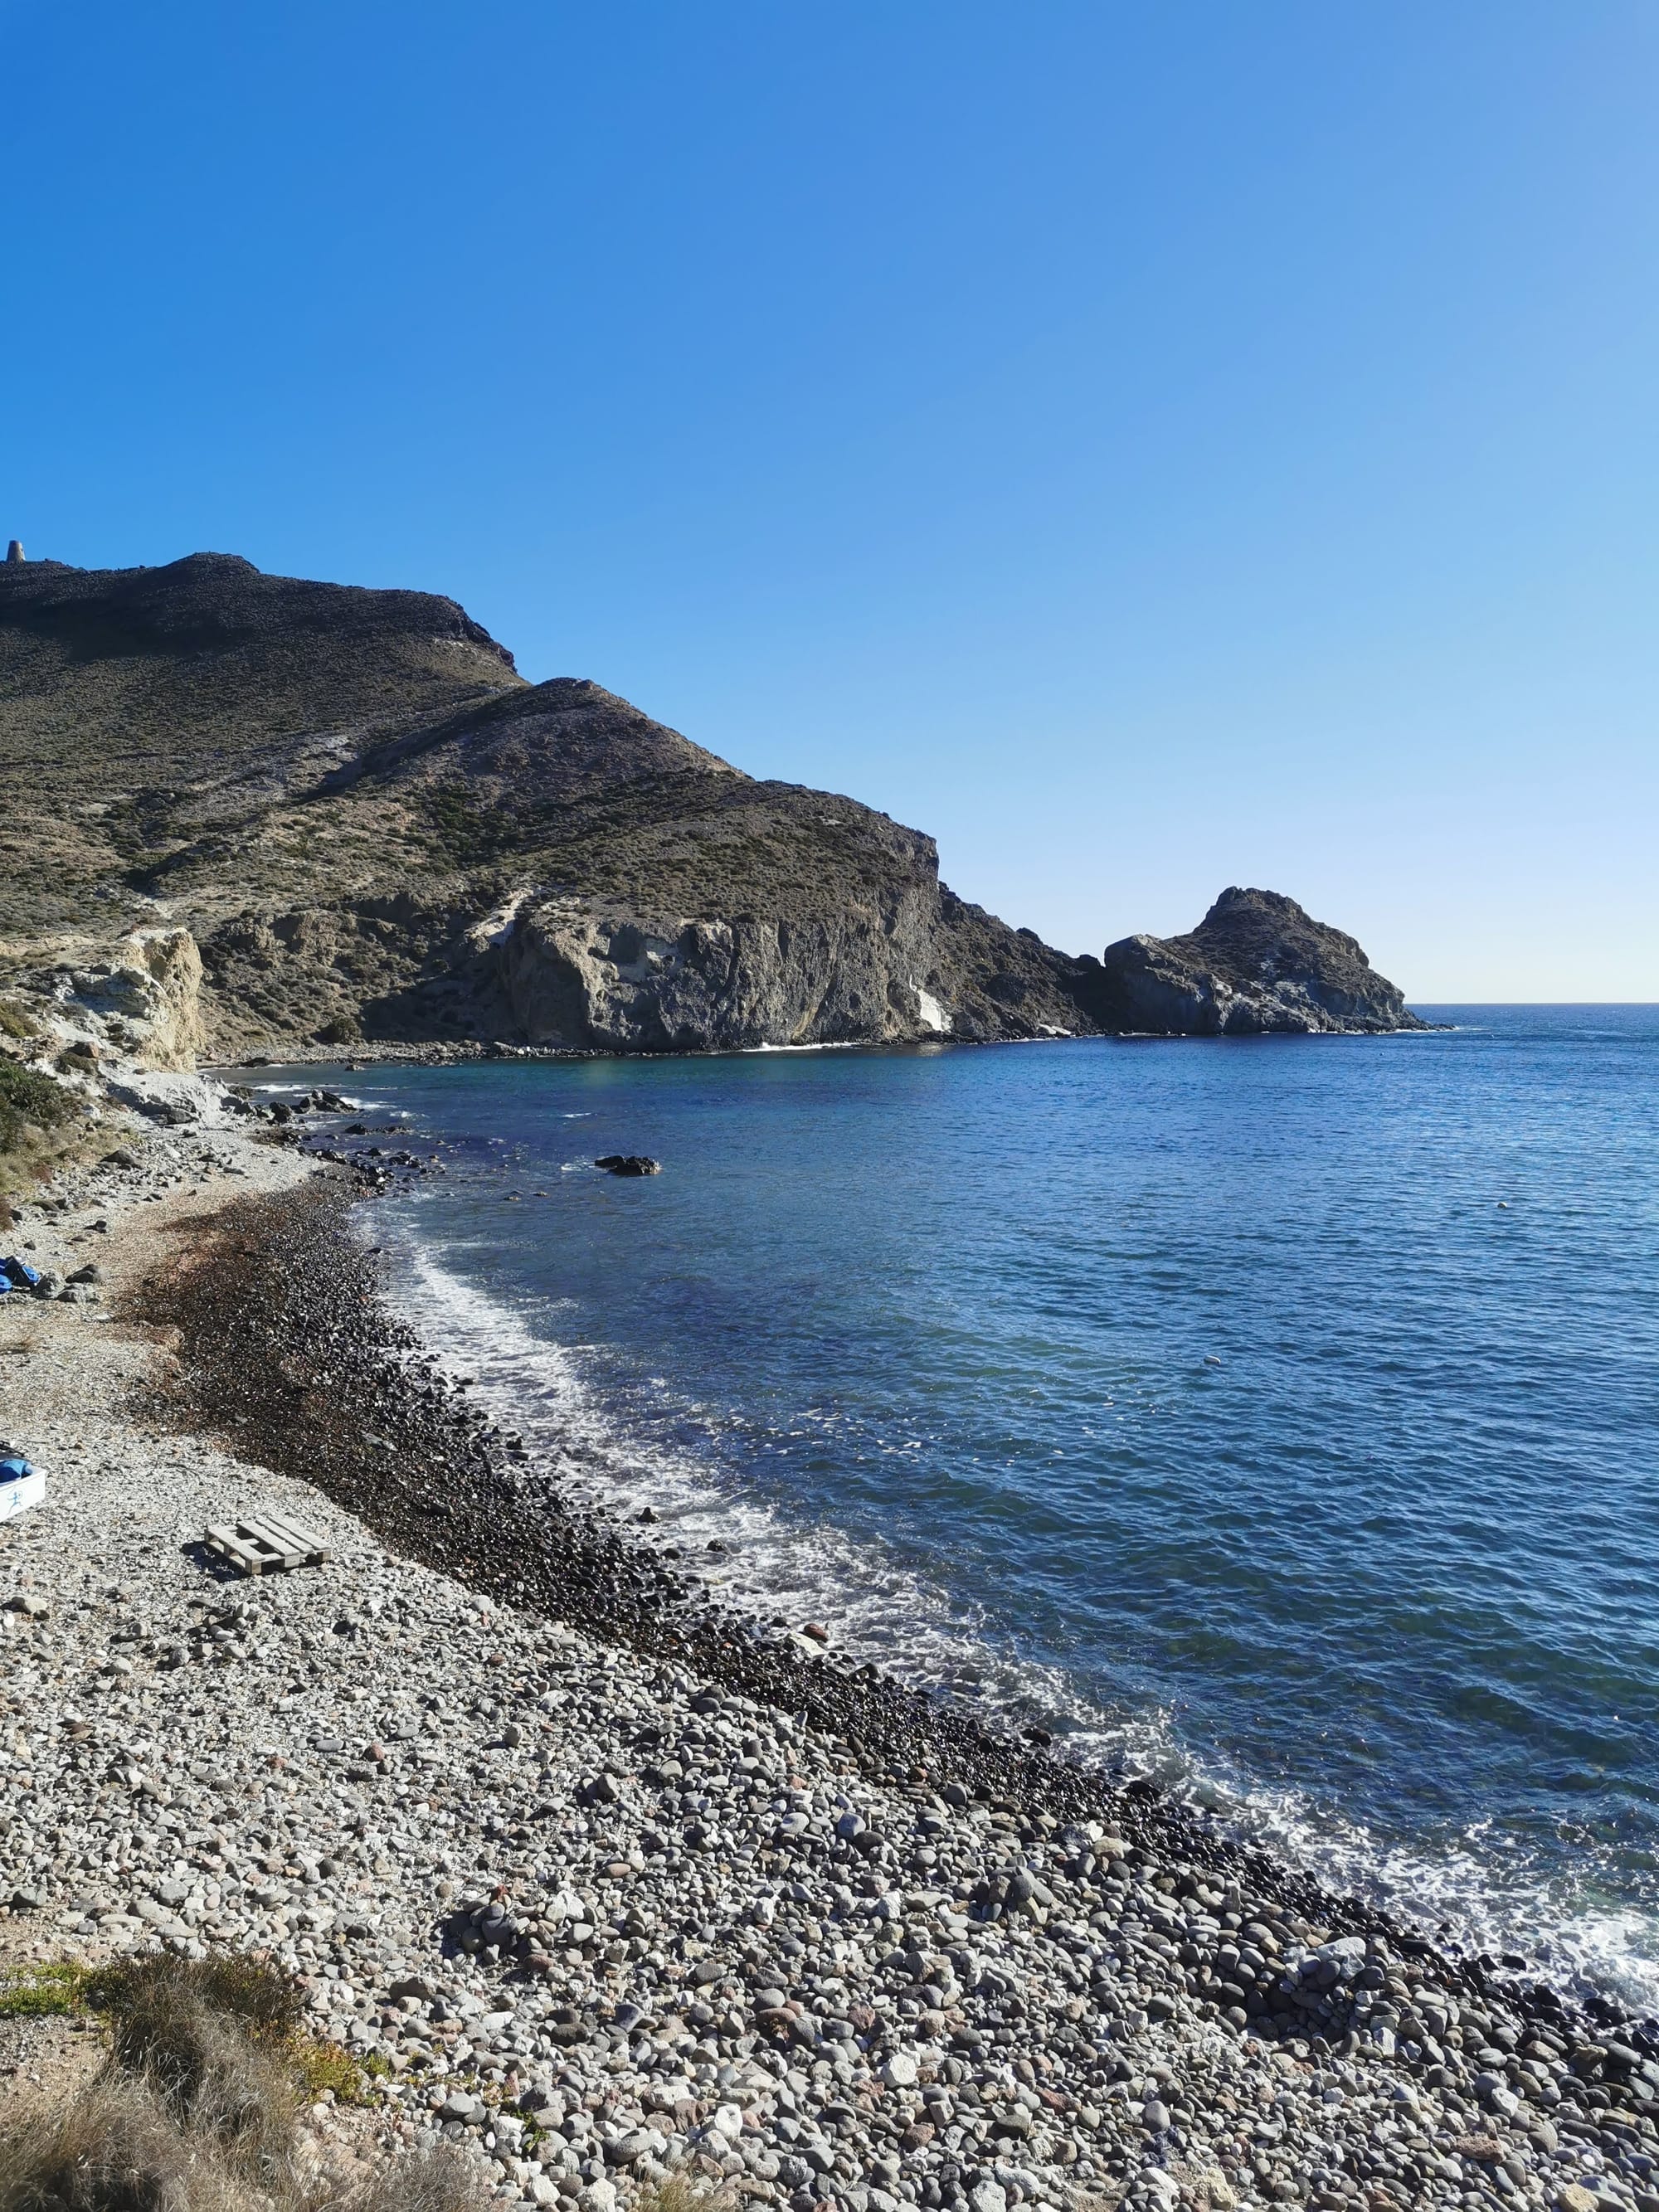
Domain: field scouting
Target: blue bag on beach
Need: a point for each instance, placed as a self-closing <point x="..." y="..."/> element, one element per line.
<point x="21" y="1276"/>
<point x="14" y="1470"/>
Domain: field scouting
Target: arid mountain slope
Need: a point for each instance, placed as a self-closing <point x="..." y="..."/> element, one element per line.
<point x="374" y="827"/>
<point x="165" y="668"/>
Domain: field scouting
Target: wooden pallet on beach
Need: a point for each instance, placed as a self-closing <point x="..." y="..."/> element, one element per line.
<point x="265" y="1543"/>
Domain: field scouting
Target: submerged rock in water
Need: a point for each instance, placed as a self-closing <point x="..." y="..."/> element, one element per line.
<point x="628" y="1164"/>
<point x="1257" y="965"/>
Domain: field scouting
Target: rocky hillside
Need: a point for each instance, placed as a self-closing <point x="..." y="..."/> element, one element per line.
<point x="369" y="827"/>
<point x="374" y="827"/>
<point x="1257" y="965"/>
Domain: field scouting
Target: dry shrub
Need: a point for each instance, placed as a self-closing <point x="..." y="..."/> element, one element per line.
<point x="157" y="2006"/>
<point x="436" y="2180"/>
<point x="211" y="2035"/>
<point x="244" y="1985"/>
<point x="680" y="2194"/>
<point x="114" y="2149"/>
<point x="195" y="2110"/>
<point x="246" y="2098"/>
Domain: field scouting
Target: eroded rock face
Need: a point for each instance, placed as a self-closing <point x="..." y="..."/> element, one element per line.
<point x="1257" y="964"/>
<point x="622" y="981"/>
<point x="375" y="829"/>
<point x="157" y="989"/>
<point x="120" y="1027"/>
<point x="137" y="1003"/>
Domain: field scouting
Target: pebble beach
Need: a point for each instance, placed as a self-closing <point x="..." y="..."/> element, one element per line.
<point x="611" y="1885"/>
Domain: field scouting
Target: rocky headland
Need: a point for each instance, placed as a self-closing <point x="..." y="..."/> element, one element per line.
<point x="1257" y="966"/>
<point x="256" y="815"/>
<point x="612" y="1885"/>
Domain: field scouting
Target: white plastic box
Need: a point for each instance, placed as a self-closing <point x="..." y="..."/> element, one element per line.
<point x="17" y="1497"/>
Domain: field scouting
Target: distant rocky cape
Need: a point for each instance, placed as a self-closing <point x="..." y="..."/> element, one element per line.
<point x="251" y="813"/>
<point x="1255" y="965"/>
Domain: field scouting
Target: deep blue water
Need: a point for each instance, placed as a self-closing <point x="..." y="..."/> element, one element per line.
<point x="1278" y="1416"/>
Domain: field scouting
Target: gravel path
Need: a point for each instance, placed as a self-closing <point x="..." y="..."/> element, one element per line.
<point x="616" y="1886"/>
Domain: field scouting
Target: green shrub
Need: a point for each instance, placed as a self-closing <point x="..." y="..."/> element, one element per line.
<point x="27" y="1096"/>
<point x="323" y="2065"/>
<point x="463" y="832"/>
<point x="677" y="2194"/>
<point x="37" y="1992"/>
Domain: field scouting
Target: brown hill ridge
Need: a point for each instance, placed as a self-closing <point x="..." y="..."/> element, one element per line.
<point x="373" y="828"/>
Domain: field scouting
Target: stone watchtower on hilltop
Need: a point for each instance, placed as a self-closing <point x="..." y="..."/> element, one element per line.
<point x="15" y="549"/>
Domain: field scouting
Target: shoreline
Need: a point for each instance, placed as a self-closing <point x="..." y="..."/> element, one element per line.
<point x="447" y="1053"/>
<point x="1003" y="1914"/>
<point x="906" y="1605"/>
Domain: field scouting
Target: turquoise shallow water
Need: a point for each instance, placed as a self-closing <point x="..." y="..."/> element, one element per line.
<point x="1279" y="1416"/>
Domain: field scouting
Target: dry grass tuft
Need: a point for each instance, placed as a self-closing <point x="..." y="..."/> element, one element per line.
<point x="196" y="2109"/>
<point x="677" y="2194"/>
<point x="121" y="2147"/>
<point x="421" y="2181"/>
<point x="213" y="2037"/>
<point x="116" y="2148"/>
<point x="245" y="2097"/>
<point x="243" y="1986"/>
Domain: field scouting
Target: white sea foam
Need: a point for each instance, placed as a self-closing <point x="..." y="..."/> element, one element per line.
<point x="303" y="1090"/>
<point x="775" y="1563"/>
<point x="779" y="1563"/>
<point x="837" y="1044"/>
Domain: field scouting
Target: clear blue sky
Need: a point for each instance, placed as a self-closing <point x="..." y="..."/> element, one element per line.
<point x="1151" y="444"/>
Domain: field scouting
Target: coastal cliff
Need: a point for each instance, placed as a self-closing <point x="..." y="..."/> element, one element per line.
<point x="370" y="830"/>
<point x="375" y="829"/>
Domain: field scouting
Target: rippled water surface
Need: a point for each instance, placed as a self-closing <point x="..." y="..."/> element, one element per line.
<point x="1279" y="1416"/>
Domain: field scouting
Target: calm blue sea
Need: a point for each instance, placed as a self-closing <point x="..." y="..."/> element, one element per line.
<point x="1278" y="1417"/>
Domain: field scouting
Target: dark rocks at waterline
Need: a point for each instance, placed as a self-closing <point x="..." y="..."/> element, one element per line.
<point x="628" y="1164"/>
<point x="287" y="1349"/>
